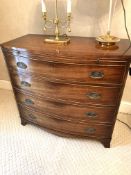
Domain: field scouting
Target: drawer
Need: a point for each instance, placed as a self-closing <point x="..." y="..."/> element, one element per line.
<point x="91" y="130"/>
<point x="71" y="93"/>
<point x="66" y="111"/>
<point x="102" y="73"/>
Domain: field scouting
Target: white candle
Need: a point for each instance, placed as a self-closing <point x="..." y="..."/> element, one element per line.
<point x="43" y="6"/>
<point x="111" y="13"/>
<point x="68" y="6"/>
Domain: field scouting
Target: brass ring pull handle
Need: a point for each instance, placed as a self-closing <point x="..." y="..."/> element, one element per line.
<point x="96" y="75"/>
<point x="91" y="114"/>
<point x="31" y="116"/>
<point x="25" y="83"/>
<point x="21" y="65"/>
<point x="90" y="130"/>
<point x="94" y="96"/>
<point x="29" y="102"/>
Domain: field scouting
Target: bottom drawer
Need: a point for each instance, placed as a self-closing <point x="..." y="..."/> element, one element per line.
<point x="80" y="129"/>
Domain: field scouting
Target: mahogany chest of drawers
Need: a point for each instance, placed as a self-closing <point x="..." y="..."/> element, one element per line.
<point x="71" y="90"/>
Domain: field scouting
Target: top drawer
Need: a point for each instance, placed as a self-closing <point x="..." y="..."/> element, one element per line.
<point x="102" y="73"/>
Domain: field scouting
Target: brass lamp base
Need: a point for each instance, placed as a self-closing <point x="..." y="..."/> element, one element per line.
<point x="61" y="40"/>
<point x="107" y="42"/>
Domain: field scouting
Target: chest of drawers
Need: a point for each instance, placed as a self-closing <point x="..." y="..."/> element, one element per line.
<point x="70" y="90"/>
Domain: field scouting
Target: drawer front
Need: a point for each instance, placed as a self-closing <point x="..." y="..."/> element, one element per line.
<point x="71" y="93"/>
<point x="91" y="130"/>
<point x="87" y="74"/>
<point x="66" y="111"/>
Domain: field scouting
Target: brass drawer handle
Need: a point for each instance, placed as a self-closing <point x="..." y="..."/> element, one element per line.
<point x="29" y="102"/>
<point x="25" y="83"/>
<point x="90" y="130"/>
<point x="91" y="114"/>
<point x="96" y="75"/>
<point x="31" y="116"/>
<point x="94" y="96"/>
<point x="21" y="65"/>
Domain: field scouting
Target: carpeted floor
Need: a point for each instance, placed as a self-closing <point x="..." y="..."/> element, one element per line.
<point x="29" y="150"/>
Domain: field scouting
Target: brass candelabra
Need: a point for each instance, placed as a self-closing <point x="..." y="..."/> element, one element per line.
<point x="59" y="23"/>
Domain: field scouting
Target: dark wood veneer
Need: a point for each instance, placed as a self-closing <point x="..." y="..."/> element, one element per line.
<point x="70" y="89"/>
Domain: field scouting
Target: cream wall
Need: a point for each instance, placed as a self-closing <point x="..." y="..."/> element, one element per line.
<point x="18" y="18"/>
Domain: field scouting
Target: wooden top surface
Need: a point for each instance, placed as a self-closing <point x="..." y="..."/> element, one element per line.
<point x="78" y="45"/>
